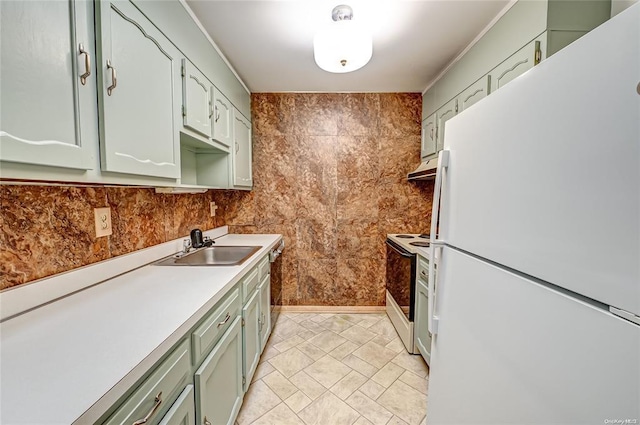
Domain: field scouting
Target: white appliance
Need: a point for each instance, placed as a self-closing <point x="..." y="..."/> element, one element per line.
<point x="536" y="316"/>
<point x="400" y="282"/>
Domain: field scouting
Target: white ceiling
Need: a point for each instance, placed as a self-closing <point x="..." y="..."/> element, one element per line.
<point x="270" y="42"/>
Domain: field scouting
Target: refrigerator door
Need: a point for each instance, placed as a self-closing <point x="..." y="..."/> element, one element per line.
<point x="512" y="351"/>
<point x="544" y="175"/>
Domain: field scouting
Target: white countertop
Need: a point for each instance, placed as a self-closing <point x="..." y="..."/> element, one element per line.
<point x="70" y="360"/>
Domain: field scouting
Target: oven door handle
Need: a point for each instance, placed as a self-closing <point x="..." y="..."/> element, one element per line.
<point x="399" y="249"/>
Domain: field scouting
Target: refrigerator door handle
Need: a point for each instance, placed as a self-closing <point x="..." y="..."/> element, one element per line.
<point x="432" y="318"/>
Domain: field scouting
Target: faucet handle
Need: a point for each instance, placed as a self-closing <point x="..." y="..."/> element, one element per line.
<point x="186" y="245"/>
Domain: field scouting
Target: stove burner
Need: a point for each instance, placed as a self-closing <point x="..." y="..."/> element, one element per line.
<point x="424" y="236"/>
<point x="404" y="236"/>
<point x="420" y="243"/>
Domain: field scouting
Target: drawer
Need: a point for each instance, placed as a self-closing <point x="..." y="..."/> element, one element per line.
<point x="209" y="332"/>
<point x="249" y="283"/>
<point x="183" y="411"/>
<point x="264" y="267"/>
<point x="423" y="268"/>
<point x="156" y="394"/>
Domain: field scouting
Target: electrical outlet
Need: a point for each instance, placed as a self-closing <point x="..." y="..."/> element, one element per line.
<point x="103" y="221"/>
<point x="213" y="207"/>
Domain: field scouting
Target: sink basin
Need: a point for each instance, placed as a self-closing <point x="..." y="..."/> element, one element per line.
<point x="212" y="256"/>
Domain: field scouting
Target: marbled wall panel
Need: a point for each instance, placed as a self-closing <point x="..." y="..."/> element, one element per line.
<point x="400" y="114"/>
<point x="358" y="238"/>
<point x="47" y="230"/>
<point x="137" y="217"/>
<point x="361" y="281"/>
<point x="360" y="114"/>
<point x="330" y="174"/>
<point x="272" y="114"/>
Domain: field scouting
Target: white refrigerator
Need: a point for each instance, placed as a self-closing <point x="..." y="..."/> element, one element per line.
<point x="535" y="301"/>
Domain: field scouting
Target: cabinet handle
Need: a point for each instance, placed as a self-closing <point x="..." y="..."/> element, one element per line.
<point x="431" y="133"/>
<point x="423" y="273"/>
<point x="156" y="405"/>
<point x="217" y="113"/>
<point x="114" y="80"/>
<point x="237" y="147"/>
<point x="210" y="111"/>
<point x="87" y="64"/>
<point x="206" y="422"/>
<point x="226" y="319"/>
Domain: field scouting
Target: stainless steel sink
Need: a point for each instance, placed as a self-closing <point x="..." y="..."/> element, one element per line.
<point x="212" y="256"/>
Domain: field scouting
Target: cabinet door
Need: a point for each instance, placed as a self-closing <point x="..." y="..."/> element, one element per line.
<point x="443" y="114"/>
<point x="422" y="336"/>
<point x="265" y="310"/>
<point x="428" y="147"/>
<point x="183" y="411"/>
<point x="222" y="119"/>
<point x="516" y="65"/>
<point x="139" y="93"/>
<point x="219" y="380"/>
<point x="477" y="91"/>
<point x="241" y="153"/>
<point x="44" y="99"/>
<point x="196" y="100"/>
<point x="250" y="338"/>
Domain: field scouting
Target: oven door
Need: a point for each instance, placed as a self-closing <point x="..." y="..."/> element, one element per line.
<point x="401" y="277"/>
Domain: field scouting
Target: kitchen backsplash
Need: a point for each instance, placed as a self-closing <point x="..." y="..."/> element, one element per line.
<point x="330" y="175"/>
<point x="50" y="229"/>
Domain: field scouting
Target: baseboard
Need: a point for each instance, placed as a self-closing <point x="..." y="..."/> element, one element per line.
<point x="332" y="309"/>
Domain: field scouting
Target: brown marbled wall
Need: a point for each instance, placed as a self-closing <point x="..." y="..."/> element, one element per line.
<point x="330" y="175"/>
<point x="46" y="230"/>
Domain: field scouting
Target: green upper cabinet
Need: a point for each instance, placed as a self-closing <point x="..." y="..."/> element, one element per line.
<point x="516" y="65"/>
<point x="429" y="132"/>
<point x="222" y="119"/>
<point x="443" y="115"/>
<point x="47" y="82"/>
<point x="197" y="105"/>
<point x="139" y="93"/>
<point x="554" y="24"/>
<point x="241" y="152"/>
<point x="474" y="93"/>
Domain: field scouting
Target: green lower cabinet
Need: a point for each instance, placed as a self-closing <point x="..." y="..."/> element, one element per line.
<point x="421" y="329"/>
<point x="265" y="310"/>
<point x="250" y="337"/>
<point x="183" y="411"/>
<point x="218" y="381"/>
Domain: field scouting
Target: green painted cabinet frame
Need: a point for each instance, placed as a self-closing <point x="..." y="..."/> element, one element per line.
<point x="218" y="381"/>
<point x="138" y="93"/>
<point x="47" y="75"/>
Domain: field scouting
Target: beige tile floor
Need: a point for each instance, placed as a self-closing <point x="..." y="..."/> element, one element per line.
<point x="336" y="369"/>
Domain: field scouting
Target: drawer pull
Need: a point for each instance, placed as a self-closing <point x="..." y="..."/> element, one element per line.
<point x="156" y="405"/>
<point x="206" y="422"/>
<point x="422" y="272"/>
<point x="226" y="319"/>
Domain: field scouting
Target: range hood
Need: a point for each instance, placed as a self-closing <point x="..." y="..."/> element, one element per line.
<point x="425" y="171"/>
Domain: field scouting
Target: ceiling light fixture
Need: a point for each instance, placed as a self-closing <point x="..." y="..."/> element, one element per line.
<point x="344" y="45"/>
